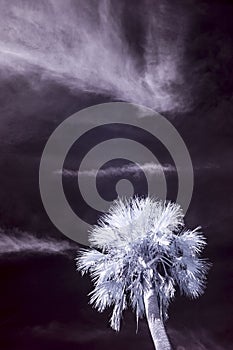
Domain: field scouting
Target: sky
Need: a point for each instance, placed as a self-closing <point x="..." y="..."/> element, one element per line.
<point x="57" y="58"/>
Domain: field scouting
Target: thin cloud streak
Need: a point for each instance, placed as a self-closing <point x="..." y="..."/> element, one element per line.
<point x="147" y="168"/>
<point x="23" y="242"/>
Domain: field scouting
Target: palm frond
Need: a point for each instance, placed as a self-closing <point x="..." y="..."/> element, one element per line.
<point x="144" y="244"/>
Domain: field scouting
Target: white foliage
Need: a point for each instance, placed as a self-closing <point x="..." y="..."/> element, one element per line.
<point x="143" y="244"/>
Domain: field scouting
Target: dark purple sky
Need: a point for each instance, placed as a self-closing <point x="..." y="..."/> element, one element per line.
<point x="58" y="57"/>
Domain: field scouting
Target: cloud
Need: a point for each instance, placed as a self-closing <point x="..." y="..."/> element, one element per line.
<point x="68" y="332"/>
<point x="88" y="45"/>
<point x="23" y="242"/>
<point x="185" y="339"/>
<point x="149" y="168"/>
<point x="195" y="340"/>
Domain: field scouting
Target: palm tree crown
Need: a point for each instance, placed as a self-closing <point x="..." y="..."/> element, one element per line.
<point x="139" y="244"/>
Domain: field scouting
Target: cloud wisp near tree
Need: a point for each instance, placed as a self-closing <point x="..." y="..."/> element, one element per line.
<point x="141" y="253"/>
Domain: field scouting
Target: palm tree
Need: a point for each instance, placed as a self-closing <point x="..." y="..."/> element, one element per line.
<point x="141" y="254"/>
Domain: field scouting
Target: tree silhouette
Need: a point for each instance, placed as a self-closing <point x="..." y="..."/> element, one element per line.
<point x="141" y="255"/>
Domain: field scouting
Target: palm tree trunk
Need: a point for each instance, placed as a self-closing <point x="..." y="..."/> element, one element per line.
<point x="155" y="323"/>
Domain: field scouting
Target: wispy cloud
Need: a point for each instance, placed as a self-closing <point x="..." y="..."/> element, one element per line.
<point x="67" y="332"/>
<point x="83" y="44"/>
<point x="186" y="339"/>
<point x="26" y="242"/>
<point x="149" y="168"/>
<point x="199" y="339"/>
